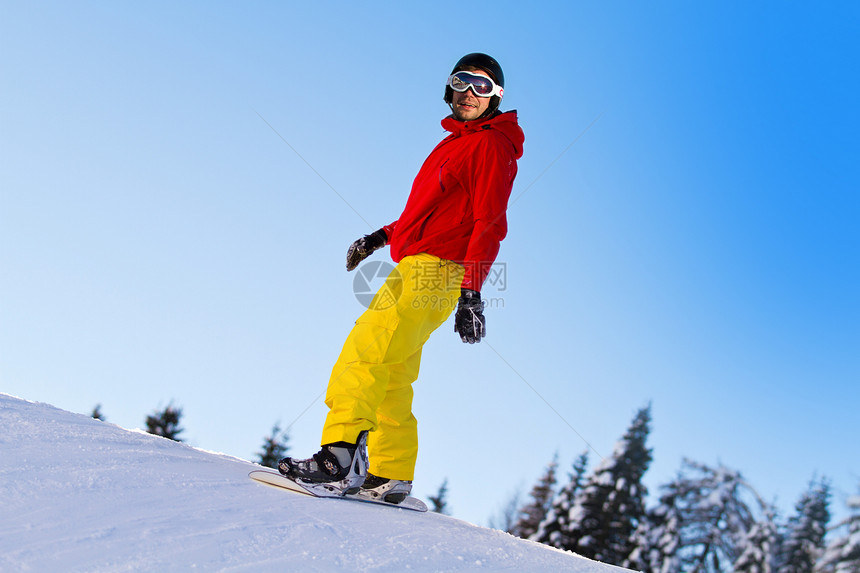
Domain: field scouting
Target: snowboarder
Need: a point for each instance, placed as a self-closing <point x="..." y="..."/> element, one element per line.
<point x="444" y="242"/>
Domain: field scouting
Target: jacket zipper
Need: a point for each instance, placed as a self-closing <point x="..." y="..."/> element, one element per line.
<point x="442" y="185"/>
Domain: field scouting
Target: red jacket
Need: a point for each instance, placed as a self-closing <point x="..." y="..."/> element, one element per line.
<point x="456" y="209"/>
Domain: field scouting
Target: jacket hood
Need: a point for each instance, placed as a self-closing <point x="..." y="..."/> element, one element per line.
<point x="505" y="123"/>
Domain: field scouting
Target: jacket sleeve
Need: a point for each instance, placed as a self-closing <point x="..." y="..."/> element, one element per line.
<point x="492" y="174"/>
<point x="389" y="231"/>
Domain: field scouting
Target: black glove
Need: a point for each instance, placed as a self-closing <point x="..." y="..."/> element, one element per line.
<point x="469" y="321"/>
<point x="362" y="248"/>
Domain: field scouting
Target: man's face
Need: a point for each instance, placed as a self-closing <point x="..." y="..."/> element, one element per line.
<point x="467" y="106"/>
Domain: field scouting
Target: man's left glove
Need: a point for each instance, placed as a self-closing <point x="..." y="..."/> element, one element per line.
<point x="469" y="321"/>
<point x="363" y="247"/>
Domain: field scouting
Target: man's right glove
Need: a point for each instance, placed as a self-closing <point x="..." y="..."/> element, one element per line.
<point x="363" y="247"/>
<point x="469" y="321"/>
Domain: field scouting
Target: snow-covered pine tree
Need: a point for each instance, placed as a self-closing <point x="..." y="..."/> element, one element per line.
<point x="658" y="537"/>
<point x="439" y="502"/>
<point x="274" y="447"/>
<point x="165" y="423"/>
<point x="552" y="530"/>
<point x="715" y="516"/>
<point x="533" y="513"/>
<point x="758" y="548"/>
<point x="843" y="553"/>
<point x="804" y="536"/>
<point x="611" y="504"/>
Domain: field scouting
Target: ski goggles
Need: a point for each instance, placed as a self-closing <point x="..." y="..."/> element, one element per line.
<point x="482" y="86"/>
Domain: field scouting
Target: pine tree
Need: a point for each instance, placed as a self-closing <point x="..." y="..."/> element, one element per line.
<point x="758" y="548"/>
<point x="658" y="537"/>
<point x="440" y="500"/>
<point x="804" y="539"/>
<point x="97" y="413"/>
<point x="534" y="512"/>
<point x="849" y="559"/>
<point x="843" y="553"/>
<point x="554" y="527"/>
<point x="165" y="423"/>
<point x="274" y="447"/>
<point x="610" y="506"/>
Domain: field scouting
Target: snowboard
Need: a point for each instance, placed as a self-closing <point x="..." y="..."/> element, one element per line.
<point x="279" y="481"/>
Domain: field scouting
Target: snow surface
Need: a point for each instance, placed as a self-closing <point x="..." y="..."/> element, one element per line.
<point x="78" y="494"/>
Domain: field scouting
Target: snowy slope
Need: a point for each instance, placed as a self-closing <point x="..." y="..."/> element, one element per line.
<point x="77" y="494"/>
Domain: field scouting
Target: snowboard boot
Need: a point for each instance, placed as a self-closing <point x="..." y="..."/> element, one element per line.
<point x="337" y="468"/>
<point x="384" y="489"/>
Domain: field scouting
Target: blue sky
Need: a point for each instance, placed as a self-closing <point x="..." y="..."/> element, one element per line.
<point x="179" y="184"/>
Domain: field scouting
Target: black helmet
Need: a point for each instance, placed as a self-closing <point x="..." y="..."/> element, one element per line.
<point x="485" y="63"/>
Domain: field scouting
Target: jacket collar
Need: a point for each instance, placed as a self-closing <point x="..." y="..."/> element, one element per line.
<point x="461" y="127"/>
<point x="505" y="122"/>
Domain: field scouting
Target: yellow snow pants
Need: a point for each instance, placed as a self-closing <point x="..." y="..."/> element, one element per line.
<point x="371" y="384"/>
